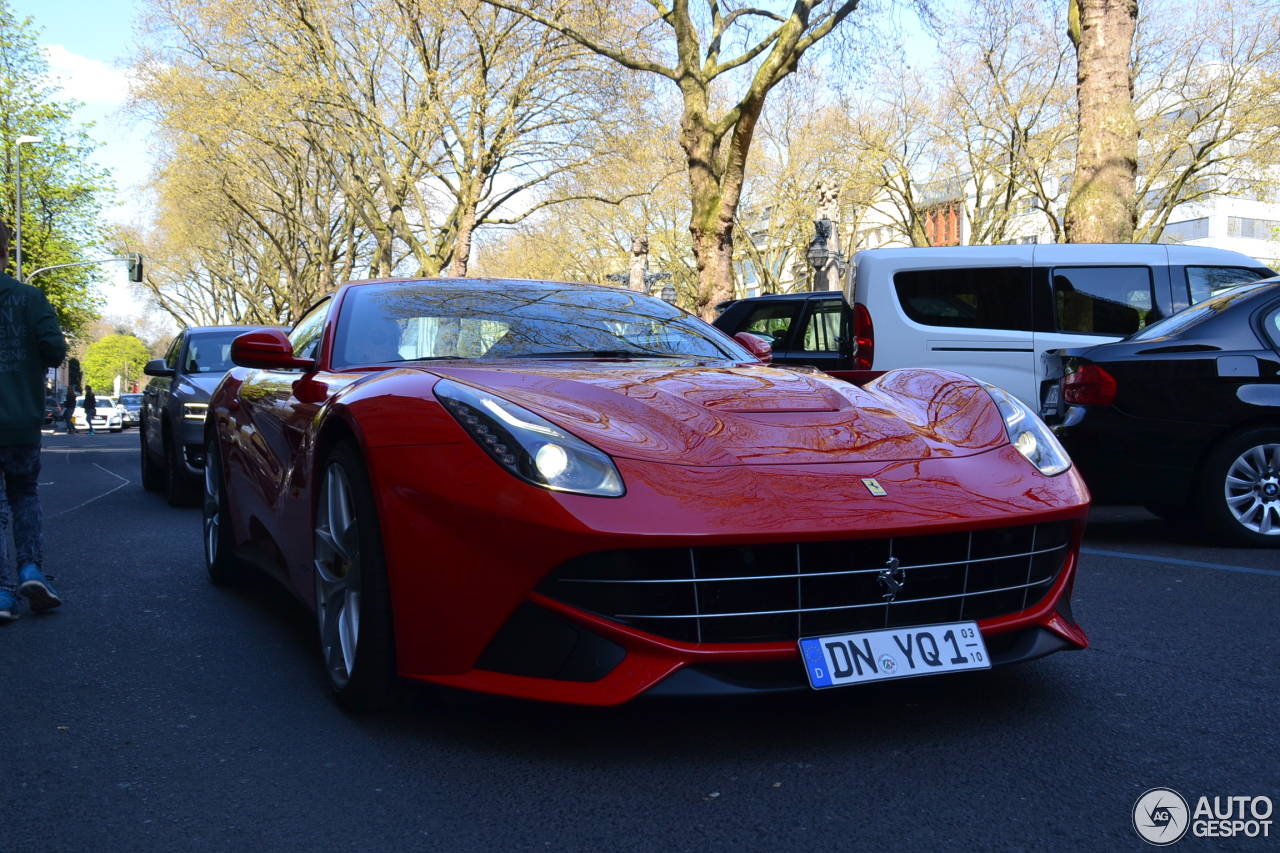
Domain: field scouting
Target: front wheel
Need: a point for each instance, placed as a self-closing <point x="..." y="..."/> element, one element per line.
<point x="152" y="475"/>
<point x="223" y="566"/>
<point x="177" y="491"/>
<point x="1241" y="488"/>
<point x="353" y="597"/>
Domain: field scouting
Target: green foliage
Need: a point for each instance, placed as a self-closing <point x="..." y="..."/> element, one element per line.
<point x="115" y="355"/>
<point x="62" y="194"/>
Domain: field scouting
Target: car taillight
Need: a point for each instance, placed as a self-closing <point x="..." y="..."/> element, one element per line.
<point x="1089" y="385"/>
<point x="864" y="335"/>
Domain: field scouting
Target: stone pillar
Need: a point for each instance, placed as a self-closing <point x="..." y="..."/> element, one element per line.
<point x="639" y="263"/>
<point x="828" y="212"/>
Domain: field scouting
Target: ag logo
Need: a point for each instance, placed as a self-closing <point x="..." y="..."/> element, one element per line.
<point x="874" y="487"/>
<point x="1160" y="816"/>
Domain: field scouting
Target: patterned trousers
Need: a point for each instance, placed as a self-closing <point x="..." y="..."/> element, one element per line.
<point x="20" y="471"/>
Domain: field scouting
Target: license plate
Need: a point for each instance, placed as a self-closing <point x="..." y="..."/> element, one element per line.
<point x="894" y="653"/>
<point x="1052" y="401"/>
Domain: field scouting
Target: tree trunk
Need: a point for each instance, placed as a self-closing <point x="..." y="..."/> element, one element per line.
<point x="462" y="246"/>
<point x="1102" y="207"/>
<point x="714" y="252"/>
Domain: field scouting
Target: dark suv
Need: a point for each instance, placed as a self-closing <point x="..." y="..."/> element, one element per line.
<point x="811" y="327"/>
<point x="173" y="409"/>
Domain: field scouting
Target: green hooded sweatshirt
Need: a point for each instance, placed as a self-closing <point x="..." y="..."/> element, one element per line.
<point x="30" y="343"/>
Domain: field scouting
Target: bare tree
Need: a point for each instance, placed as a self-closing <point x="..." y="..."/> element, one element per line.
<point x="704" y="49"/>
<point x="1208" y="107"/>
<point x="345" y="137"/>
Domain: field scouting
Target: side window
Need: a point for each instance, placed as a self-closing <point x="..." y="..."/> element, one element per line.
<point x="306" y="335"/>
<point x="1203" y="282"/>
<point x="1103" y="300"/>
<point x="983" y="298"/>
<point x="823" y="327"/>
<point x="175" y="348"/>
<point x="772" y="320"/>
<point x="1271" y="326"/>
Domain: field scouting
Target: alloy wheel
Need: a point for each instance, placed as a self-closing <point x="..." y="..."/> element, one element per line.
<point x="337" y="562"/>
<point x="1252" y="489"/>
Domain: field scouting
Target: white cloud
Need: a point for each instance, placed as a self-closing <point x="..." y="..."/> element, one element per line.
<point x="89" y="80"/>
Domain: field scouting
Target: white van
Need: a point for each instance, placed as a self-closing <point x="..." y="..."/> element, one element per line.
<point x="991" y="311"/>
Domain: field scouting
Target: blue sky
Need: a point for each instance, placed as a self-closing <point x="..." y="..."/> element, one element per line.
<point x="87" y="44"/>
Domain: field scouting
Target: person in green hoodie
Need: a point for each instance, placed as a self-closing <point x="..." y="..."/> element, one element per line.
<point x="30" y="343"/>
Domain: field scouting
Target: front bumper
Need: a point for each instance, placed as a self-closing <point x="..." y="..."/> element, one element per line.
<point x="494" y="540"/>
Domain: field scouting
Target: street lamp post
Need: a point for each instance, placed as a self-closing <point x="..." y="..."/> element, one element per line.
<point x="17" y="225"/>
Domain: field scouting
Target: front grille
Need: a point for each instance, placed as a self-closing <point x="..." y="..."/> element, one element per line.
<point x="768" y="593"/>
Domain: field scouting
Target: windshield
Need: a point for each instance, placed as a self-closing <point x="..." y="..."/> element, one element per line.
<point x="98" y="402"/>
<point x="1183" y="320"/>
<point x="484" y="320"/>
<point x="131" y="399"/>
<point x="209" y="352"/>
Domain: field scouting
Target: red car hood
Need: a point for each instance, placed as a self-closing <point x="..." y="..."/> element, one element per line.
<point x="699" y="415"/>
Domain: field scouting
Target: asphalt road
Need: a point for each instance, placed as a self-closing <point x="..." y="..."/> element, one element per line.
<point x="154" y="711"/>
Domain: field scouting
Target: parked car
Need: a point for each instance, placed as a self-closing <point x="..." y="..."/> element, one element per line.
<point x="583" y="494"/>
<point x="1184" y="416"/>
<point x="810" y="328"/>
<point x="52" y="411"/>
<point x="105" y="416"/>
<point x="130" y="406"/>
<point x="174" y="402"/>
<point x="988" y="311"/>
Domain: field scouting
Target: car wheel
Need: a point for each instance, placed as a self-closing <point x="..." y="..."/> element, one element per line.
<point x="152" y="475"/>
<point x="223" y="566"/>
<point x="353" y="599"/>
<point x="177" y="491"/>
<point x="1241" y="488"/>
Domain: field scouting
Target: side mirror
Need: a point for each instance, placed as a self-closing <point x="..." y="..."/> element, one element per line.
<point x="157" y="367"/>
<point x="267" y="349"/>
<point x="756" y="345"/>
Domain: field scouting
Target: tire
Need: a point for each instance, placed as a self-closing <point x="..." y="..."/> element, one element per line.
<point x="152" y="475"/>
<point x="177" y="491"/>
<point x="223" y="566"/>
<point x="353" y="596"/>
<point x="1240" y="488"/>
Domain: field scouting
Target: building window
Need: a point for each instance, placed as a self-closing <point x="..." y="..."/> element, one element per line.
<point x="1252" y="229"/>
<point x="942" y="224"/>
<point x="1187" y="229"/>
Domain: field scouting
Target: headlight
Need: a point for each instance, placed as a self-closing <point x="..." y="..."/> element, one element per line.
<point x="194" y="411"/>
<point x="1029" y="434"/>
<point x="528" y="446"/>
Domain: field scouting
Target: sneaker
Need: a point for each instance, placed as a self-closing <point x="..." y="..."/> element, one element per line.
<point x="36" y="589"/>
<point x="8" y="606"/>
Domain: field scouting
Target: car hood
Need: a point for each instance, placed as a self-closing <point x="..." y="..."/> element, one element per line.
<point x="723" y="415"/>
<point x="196" y="387"/>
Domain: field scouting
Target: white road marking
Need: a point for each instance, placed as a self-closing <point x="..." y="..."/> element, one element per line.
<point x="123" y="483"/>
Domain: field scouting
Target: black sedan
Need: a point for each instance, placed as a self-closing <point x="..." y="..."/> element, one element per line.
<point x="1184" y="416"/>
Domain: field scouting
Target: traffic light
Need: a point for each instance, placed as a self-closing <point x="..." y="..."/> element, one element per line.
<point x="135" y="267"/>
